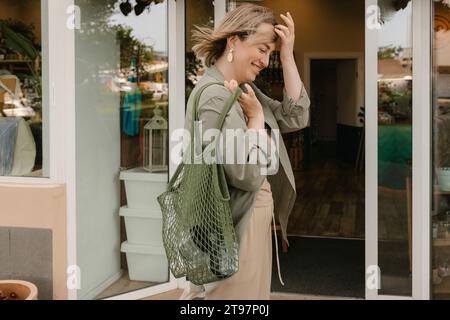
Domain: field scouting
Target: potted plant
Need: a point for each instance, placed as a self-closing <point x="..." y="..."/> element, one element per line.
<point x="17" y="290"/>
<point x="21" y="44"/>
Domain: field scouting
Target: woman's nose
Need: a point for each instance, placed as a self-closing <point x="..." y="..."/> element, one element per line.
<point x="265" y="61"/>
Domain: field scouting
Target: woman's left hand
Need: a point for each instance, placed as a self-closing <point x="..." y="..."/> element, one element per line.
<point x="287" y="35"/>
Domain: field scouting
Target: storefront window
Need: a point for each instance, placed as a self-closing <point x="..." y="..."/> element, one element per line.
<point x="23" y="88"/>
<point x="122" y="91"/>
<point x="440" y="214"/>
<point x="395" y="147"/>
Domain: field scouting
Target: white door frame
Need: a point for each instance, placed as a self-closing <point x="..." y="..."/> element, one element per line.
<point x="220" y="9"/>
<point x="421" y="151"/>
<point x="326" y="55"/>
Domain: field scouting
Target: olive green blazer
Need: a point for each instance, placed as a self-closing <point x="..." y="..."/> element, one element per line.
<point x="244" y="180"/>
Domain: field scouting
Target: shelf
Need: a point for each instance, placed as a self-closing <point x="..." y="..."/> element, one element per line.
<point x="444" y="69"/>
<point x="443" y="102"/>
<point x="441" y="242"/>
<point x="16" y="61"/>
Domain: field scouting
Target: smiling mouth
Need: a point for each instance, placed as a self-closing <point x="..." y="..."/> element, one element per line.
<point x="257" y="67"/>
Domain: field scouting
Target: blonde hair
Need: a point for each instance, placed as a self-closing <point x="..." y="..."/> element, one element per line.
<point x="243" y="21"/>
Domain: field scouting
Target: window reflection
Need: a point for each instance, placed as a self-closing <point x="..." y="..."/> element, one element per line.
<point x="23" y="112"/>
<point x="395" y="147"/>
<point x="440" y="213"/>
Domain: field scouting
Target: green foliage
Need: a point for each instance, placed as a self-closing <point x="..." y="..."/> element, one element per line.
<point x="21" y="44"/>
<point x="389" y="52"/>
<point x="17" y="42"/>
<point x="131" y="47"/>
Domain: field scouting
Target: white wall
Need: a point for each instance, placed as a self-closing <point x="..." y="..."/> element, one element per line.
<point x="346" y="93"/>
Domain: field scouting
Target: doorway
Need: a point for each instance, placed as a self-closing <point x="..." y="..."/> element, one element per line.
<point x="332" y="144"/>
<point x="327" y="222"/>
<point x="326" y="228"/>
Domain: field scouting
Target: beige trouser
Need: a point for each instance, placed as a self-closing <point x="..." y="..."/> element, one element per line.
<point x="253" y="280"/>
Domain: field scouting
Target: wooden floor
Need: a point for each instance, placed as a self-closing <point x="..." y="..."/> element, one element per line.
<point x="331" y="199"/>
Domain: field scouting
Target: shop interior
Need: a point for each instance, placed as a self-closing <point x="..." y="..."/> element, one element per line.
<point x="23" y="99"/>
<point x="326" y="229"/>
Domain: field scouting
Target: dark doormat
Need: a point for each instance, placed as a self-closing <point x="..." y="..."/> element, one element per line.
<point x="321" y="266"/>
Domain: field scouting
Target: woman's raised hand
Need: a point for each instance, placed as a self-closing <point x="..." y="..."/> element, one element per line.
<point x="287" y="35"/>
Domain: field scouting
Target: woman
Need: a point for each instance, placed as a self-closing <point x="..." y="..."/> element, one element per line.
<point x="234" y="54"/>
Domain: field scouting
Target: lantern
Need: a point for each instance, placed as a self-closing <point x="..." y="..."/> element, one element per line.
<point x="155" y="143"/>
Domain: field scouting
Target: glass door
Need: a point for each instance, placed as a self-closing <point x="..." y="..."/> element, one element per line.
<point x="397" y="151"/>
<point x="122" y="64"/>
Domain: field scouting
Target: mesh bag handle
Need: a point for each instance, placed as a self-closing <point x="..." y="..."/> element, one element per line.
<point x="220" y="120"/>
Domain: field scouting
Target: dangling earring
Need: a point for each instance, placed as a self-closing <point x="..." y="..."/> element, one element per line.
<point x="230" y="55"/>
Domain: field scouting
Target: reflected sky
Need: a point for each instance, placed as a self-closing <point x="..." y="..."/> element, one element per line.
<point x="398" y="30"/>
<point x="150" y="27"/>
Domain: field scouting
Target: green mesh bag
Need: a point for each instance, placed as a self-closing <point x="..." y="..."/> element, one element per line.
<point x="198" y="232"/>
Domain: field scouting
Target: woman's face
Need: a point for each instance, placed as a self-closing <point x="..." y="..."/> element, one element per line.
<point x="252" y="54"/>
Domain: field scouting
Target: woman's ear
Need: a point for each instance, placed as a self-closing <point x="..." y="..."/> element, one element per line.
<point x="231" y="41"/>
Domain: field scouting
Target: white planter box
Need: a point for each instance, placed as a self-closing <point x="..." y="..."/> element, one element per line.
<point x="143" y="226"/>
<point x="146" y="263"/>
<point x="142" y="187"/>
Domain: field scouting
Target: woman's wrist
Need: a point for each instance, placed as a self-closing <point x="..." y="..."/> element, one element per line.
<point x="256" y="122"/>
<point x="288" y="59"/>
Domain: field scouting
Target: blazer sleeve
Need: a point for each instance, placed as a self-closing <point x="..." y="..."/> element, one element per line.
<point x="291" y="115"/>
<point x="244" y="176"/>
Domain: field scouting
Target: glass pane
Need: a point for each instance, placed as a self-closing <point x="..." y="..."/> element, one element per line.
<point x="23" y="88"/>
<point x="441" y="152"/>
<point x="198" y="13"/>
<point x="395" y="147"/>
<point x="121" y="92"/>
